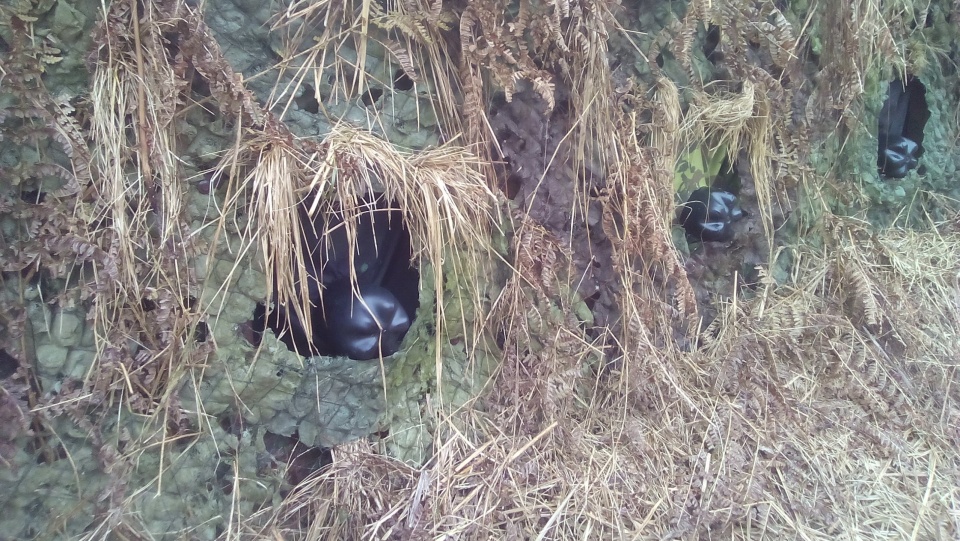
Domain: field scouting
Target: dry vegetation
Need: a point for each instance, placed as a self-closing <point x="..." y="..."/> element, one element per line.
<point x="826" y="407"/>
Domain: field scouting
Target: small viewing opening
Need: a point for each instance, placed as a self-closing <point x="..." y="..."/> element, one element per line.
<point x="710" y="44"/>
<point x="8" y="364"/>
<point x="371" y="96"/>
<point x="202" y="332"/>
<point x="402" y="81"/>
<point x="308" y="100"/>
<point x="900" y="127"/>
<point x="298" y="459"/>
<point x="34" y="197"/>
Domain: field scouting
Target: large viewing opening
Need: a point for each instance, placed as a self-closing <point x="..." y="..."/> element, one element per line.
<point x="361" y="319"/>
<point x="900" y="127"/>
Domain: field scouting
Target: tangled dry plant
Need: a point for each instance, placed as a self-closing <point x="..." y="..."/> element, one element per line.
<point x="822" y="408"/>
<point x="792" y="411"/>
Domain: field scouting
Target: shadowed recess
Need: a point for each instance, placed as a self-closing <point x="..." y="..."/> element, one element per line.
<point x="363" y="320"/>
<point x="900" y="127"/>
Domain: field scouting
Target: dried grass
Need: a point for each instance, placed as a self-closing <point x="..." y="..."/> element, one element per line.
<point x="815" y="411"/>
<point x="824" y="409"/>
<point x="795" y="421"/>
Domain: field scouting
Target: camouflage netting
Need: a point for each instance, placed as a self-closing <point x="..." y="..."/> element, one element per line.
<point x="252" y="394"/>
<point x="579" y="367"/>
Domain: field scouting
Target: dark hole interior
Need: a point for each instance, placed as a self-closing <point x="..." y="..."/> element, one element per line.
<point x="371" y="96"/>
<point x="200" y="86"/>
<point x="711" y="42"/>
<point x="171" y="42"/>
<point x="8" y="364"/>
<point x="562" y="106"/>
<point x="308" y="100"/>
<point x="231" y="423"/>
<point x="34" y="197"/>
<point x="591" y="300"/>
<point x="253" y="329"/>
<point x="709" y="213"/>
<point x="511" y="186"/>
<point x="202" y="332"/>
<point x="501" y="337"/>
<point x="53" y="454"/>
<point x="341" y="323"/>
<point x="402" y="81"/>
<point x="224" y="475"/>
<point x="900" y="126"/>
<point x="300" y="460"/>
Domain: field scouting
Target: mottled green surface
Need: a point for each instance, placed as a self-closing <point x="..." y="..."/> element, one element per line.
<point x="196" y="482"/>
<point x="193" y="484"/>
<point x="290" y="87"/>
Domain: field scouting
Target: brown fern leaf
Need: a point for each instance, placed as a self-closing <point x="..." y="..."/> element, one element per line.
<point x="865" y="291"/>
<point x="782" y="39"/>
<point x="686" y="35"/>
<point x="544" y="86"/>
<point x="555" y="20"/>
<point x="402" y="55"/>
